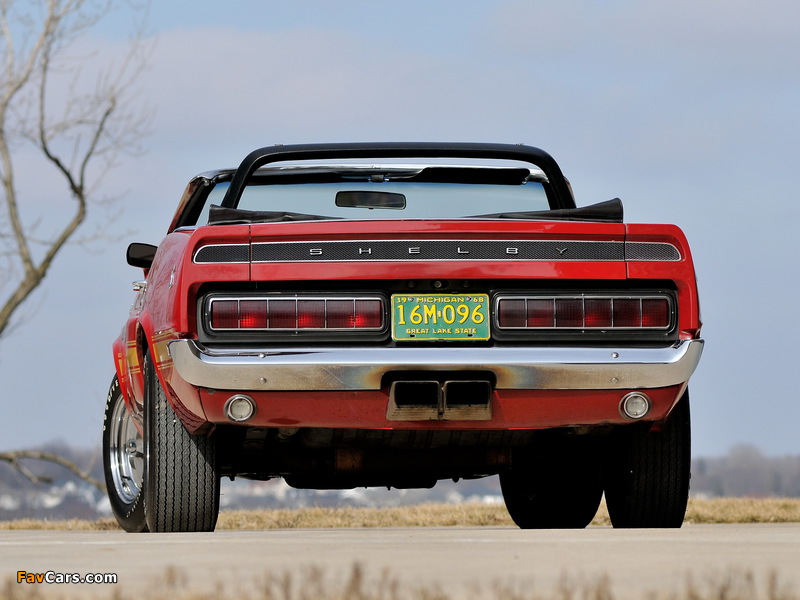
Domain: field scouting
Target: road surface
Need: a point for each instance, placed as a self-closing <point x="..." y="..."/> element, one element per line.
<point x="455" y="559"/>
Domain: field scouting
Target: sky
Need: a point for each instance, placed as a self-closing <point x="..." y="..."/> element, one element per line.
<point x="688" y="111"/>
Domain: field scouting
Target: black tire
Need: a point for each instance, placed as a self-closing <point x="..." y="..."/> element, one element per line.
<point x="558" y="487"/>
<point x="182" y="489"/>
<point x="647" y="472"/>
<point x="123" y="463"/>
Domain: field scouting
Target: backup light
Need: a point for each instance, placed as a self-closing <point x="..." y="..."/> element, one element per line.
<point x="240" y="408"/>
<point x="635" y="405"/>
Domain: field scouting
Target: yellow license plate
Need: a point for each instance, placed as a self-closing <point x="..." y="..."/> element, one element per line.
<point x="434" y="317"/>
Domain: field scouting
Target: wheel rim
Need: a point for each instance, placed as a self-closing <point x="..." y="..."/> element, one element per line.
<point x="125" y="452"/>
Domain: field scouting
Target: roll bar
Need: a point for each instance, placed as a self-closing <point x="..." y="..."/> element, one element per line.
<point x="298" y="152"/>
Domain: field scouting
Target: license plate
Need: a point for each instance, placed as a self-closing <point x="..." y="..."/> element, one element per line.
<point x="429" y="317"/>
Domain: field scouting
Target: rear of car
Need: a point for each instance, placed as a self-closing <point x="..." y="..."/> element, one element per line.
<point x="443" y="311"/>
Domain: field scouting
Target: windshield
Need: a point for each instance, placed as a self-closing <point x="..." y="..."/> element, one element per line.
<point x="377" y="197"/>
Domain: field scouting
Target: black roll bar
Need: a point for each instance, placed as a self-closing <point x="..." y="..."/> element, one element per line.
<point x="297" y="152"/>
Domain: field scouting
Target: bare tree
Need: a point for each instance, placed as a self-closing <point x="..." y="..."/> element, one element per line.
<point x="77" y="135"/>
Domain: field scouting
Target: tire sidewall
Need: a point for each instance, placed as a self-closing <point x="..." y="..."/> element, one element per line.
<point x="149" y="451"/>
<point x="177" y="496"/>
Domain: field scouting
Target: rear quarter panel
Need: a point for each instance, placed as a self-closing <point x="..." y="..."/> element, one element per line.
<point x="681" y="272"/>
<point x="165" y="315"/>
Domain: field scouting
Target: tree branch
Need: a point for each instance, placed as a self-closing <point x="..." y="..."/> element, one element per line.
<point x="14" y="457"/>
<point x="73" y="143"/>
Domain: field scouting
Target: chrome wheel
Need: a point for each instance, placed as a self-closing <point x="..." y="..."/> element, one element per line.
<point x="123" y="463"/>
<point x="126" y="454"/>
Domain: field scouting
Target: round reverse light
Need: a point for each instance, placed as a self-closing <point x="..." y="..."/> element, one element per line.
<point x="635" y="405"/>
<point x="240" y="408"/>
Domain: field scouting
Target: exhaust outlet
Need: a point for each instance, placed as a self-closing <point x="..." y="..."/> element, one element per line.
<point x="432" y="400"/>
<point x="469" y="400"/>
<point x="414" y="401"/>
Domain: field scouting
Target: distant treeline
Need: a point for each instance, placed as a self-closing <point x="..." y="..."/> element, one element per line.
<point x="743" y="471"/>
<point x="746" y="471"/>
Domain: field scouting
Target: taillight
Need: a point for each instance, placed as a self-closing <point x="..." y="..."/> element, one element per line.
<point x="251" y="314"/>
<point x="296" y="313"/>
<point x="368" y="314"/>
<point x="341" y="314"/>
<point x="584" y="312"/>
<point x="225" y="314"/>
<point x="655" y="313"/>
<point x="311" y="314"/>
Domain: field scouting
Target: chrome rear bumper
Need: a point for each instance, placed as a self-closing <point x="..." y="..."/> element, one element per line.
<point x="353" y="368"/>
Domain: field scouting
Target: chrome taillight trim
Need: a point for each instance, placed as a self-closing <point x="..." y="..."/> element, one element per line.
<point x="207" y="308"/>
<point x="583" y="297"/>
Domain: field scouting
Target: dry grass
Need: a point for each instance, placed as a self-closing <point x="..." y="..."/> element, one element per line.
<point x="423" y="515"/>
<point x="744" y="510"/>
<point x="719" y="510"/>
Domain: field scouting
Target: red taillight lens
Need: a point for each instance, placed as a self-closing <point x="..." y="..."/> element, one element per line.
<point x="569" y="313"/>
<point x="276" y="313"/>
<point x="252" y="314"/>
<point x="369" y="314"/>
<point x="655" y="313"/>
<point x="511" y="313"/>
<point x="225" y="314"/>
<point x="599" y="313"/>
<point x="627" y="312"/>
<point x="282" y="314"/>
<point x="341" y="314"/>
<point x="311" y="314"/>
<point x="584" y="312"/>
<point x="541" y="313"/>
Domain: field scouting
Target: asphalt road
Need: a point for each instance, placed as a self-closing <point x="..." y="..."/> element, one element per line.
<point x="455" y="559"/>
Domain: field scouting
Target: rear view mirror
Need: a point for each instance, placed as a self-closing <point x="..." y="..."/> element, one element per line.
<point x="358" y="199"/>
<point x="141" y="255"/>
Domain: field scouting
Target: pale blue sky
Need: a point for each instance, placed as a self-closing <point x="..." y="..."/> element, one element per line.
<point x="690" y="112"/>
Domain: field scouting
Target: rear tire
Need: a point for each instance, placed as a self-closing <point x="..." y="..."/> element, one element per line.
<point x="647" y="472"/>
<point x="123" y="462"/>
<point x="182" y="476"/>
<point x="561" y="489"/>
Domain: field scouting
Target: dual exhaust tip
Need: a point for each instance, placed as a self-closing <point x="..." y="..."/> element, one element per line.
<point x="431" y="400"/>
<point x="465" y="400"/>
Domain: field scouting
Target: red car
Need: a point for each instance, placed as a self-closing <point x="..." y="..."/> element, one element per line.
<point x="395" y="314"/>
